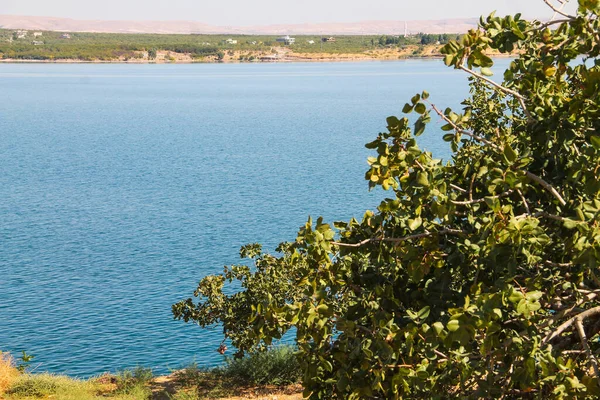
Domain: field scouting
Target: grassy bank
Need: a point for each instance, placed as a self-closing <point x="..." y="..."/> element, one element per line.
<point x="274" y="374"/>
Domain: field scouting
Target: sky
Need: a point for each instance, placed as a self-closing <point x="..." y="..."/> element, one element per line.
<point x="264" y="12"/>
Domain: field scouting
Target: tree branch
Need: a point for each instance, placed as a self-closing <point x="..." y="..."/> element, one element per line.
<point x="524" y="201"/>
<point x="498" y="196"/>
<point x="546" y="186"/>
<point x="558" y="10"/>
<point x="564" y="326"/>
<point x="491" y="82"/>
<point x="453" y="186"/>
<point x="586" y="347"/>
<point x="549" y="23"/>
<point x="471" y="187"/>
<point x="517" y="95"/>
<point x="462" y="131"/>
<point x="401" y="239"/>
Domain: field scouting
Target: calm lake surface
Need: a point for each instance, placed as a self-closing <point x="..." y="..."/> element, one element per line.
<point x="122" y="185"/>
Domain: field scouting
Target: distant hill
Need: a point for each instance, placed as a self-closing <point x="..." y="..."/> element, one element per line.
<point x="187" y="27"/>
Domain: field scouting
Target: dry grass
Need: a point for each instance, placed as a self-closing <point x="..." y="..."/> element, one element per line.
<point x="192" y="383"/>
<point x="8" y="372"/>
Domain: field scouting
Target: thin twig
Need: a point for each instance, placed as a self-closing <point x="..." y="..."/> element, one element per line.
<point x="524" y="201"/>
<point x="498" y="196"/>
<point x="439" y="353"/>
<point x="546" y="186"/>
<point x="586" y="347"/>
<point x="517" y="95"/>
<point x="549" y="23"/>
<point x="558" y="10"/>
<point x="573" y="352"/>
<point x="453" y="186"/>
<point x="491" y="82"/>
<point x="553" y="264"/>
<point x="462" y="131"/>
<point x="401" y="239"/>
<point x="471" y="187"/>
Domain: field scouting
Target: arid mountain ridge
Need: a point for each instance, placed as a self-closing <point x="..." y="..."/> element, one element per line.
<point x="395" y="27"/>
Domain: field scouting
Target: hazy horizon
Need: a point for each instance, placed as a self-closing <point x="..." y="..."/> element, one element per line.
<point x="265" y="12"/>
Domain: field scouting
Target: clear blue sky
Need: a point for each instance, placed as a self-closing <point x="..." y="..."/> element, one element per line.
<point x="244" y="12"/>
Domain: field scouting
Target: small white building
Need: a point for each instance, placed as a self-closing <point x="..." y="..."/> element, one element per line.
<point x="37" y="34"/>
<point x="21" y="34"/>
<point x="286" y="40"/>
<point x="310" y="42"/>
<point x="65" y="36"/>
<point x="37" y="43"/>
<point x="231" y="41"/>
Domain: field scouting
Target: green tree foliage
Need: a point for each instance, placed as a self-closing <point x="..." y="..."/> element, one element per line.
<point x="476" y="278"/>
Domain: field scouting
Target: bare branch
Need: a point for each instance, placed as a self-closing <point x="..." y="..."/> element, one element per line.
<point x="439" y="353"/>
<point x="524" y="201"/>
<point x="558" y="10"/>
<point x="359" y="244"/>
<point x="551" y="216"/>
<point x="549" y="23"/>
<point x="453" y="186"/>
<point x="573" y="352"/>
<point x="491" y="82"/>
<point x="546" y="186"/>
<point x="586" y="347"/>
<point x="517" y="95"/>
<point x="541" y="214"/>
<point x="498" y="196"/>
<point x="553" y="264"/>
<point x="471" y="187"/>
<point x="563" y="327"/>
<point x="462" y="131"/>
<point x="423" y="235"/>
<point x="401" y="239"/>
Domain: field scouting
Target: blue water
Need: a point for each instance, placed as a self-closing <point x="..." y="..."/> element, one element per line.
<point x="122" y="185"/>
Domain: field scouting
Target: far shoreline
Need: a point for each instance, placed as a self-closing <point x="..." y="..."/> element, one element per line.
<point x="289" y="61"/>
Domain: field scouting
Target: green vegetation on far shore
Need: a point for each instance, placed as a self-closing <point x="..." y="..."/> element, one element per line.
<point x="14" y="45"/>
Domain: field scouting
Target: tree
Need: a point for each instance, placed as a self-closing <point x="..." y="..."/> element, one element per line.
<point x="476" y="278"/>
<point x="152" y="54"/>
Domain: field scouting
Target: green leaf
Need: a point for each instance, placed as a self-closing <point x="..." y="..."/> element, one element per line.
<point x="509" y="153"/>
<point x="423" y="312"/>
<point x="569" y="223"/>
<point x="419" y="127"/>
<point x="420" y="108"/>
<point x="595" y="141"/>
<point x="414" y="224"/>
<point x="486" y="71"/>
<point x="453" y="325"/>
<point x="438" y="327"/>
<point x="407" y="109"/>
<point x="423" y="178"/>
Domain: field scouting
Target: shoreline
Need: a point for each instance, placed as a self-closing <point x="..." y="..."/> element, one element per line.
<point x="275" y="55"/>
<point x="279" y="61"/>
